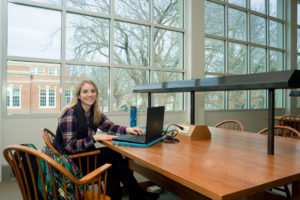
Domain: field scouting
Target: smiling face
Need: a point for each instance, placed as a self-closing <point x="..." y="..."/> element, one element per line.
<point x="88" y="95"/>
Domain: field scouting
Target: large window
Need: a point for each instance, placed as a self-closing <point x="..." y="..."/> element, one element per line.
<point x="52" y="46"/>
<point x="244" y="37"/>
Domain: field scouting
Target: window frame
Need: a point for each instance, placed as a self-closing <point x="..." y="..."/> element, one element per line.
<point x="63" y="62"/>
<point x="47" y="96"/>
<point x="249" y="44"/>
<point x="10" y="90"/>
<point x="56" y="71"/>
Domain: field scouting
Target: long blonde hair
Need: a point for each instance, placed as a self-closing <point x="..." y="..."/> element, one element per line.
<point x="74" y="101"/>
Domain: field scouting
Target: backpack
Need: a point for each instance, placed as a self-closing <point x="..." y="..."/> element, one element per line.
<point x="68" y="164"/>
<point x="26" y="169"/>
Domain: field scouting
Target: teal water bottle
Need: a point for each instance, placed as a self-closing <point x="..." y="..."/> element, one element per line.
<point x="133" y="110"/>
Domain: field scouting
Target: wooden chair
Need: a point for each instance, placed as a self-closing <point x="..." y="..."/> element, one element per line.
<point x="48" y="137"/>
<point x="290" y="120"/>
<point x="27" y="165"/>
<point x="231" y="124"/>
<point x="283" y="131"/>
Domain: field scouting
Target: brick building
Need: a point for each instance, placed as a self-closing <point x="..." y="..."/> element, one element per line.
<point x="33" y="88"/>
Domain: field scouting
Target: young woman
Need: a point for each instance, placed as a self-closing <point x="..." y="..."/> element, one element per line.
<point x="78" y="123"/>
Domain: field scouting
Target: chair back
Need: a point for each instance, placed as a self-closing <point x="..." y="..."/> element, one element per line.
<point x="283" y="131"/>
<point x="48" y="137"/>
<point x="28" y="164"/>
<point x="231" y="124"/>
<point x="290" y="120"/>
<point x="86" y="161"/>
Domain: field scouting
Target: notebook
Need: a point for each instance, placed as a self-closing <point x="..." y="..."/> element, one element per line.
<point x="154" y="128"/>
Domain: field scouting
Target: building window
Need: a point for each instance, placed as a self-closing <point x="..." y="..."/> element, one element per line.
<point x="243" y="38"/>
<point x="13" y="97"/>
<point x="53" y="71"/>
<point x="47" y="98"/>
<point x="37" y="70"/>
<point x="68" y="95"/>
<point x="112" y="42"/>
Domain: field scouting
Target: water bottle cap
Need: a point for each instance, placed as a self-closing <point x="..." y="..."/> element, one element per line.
<point x="133" y="108"/>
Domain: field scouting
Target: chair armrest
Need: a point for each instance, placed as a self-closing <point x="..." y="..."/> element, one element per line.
<point x="94" y="174"/>
<point x="84" y="154"/>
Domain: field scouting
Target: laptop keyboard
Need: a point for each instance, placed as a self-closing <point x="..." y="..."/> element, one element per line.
<point x="138" y="138"/>
<point x="134" y="138"/>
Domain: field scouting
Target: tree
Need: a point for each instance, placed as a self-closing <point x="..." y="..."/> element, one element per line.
<point x="88" y="40"/>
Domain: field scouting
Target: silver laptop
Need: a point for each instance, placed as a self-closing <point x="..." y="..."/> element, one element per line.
<point x="154" y="127"/>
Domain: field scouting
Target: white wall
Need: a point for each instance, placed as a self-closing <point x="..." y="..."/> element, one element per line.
<point x="195" y="39"/>
<point x="18" y="130"/>
<point x="252" y="120"/>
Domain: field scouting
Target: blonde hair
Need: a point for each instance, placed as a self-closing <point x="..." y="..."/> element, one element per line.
<point x="74" y="101"/>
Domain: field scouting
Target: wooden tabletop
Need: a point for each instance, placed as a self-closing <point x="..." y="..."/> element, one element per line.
<point x="230" y="165"/>
<point x="275" y="117"/>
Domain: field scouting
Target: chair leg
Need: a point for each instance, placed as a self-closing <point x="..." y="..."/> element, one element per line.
<point x="287" y="192"/>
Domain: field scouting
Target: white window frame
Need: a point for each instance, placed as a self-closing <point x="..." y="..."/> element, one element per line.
<point x="10" y="94"/>
<point x="71" y="90"/>
<point x="37" y="70"/>
<point x="47" y="98"/>
<point x="248" y="45"/>
<point x="111" y="64"/>
<point x="56" y="71"/>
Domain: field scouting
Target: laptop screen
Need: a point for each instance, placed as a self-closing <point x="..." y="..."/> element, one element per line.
<point x="154" y="127"/>
<point x="155" y="122"/>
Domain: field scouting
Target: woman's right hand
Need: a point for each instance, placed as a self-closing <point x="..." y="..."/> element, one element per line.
<point x="101" y="137"/>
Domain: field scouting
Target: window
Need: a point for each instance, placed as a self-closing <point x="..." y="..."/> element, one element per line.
<point x="53" y="71"/>
<point x="87" y="38"/>
<point x="13" y="97"/>
<point x="131" y="44"/>
<point x="99" y="75"/>
<point x="116" y="43"/>
<point x="33" y="35"/>
<point x="37" y="70"/>
<point x="168" y="99"/>
<point x="43" y="97"/>
<point x="68" y="95"/>
<point x="248" y="39"/>
<point x="47" y="98"/>
<point x="237" y="24"/>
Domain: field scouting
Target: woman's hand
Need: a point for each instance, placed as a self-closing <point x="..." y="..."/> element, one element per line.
<point x="135" y="131"/>
<point x="101" y="137"/>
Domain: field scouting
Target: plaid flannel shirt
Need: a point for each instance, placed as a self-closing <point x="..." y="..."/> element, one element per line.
<point x="68" y="125"/>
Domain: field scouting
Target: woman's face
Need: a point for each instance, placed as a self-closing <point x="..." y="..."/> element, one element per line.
<point x="88" y="95"/>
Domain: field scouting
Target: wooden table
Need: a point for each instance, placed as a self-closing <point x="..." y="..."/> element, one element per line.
<point x="292" y="121"/>
<point x="231" y="165"/>
<point x="276" y="119"/>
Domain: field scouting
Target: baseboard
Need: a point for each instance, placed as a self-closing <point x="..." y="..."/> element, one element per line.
<point x="7" y="173"/>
